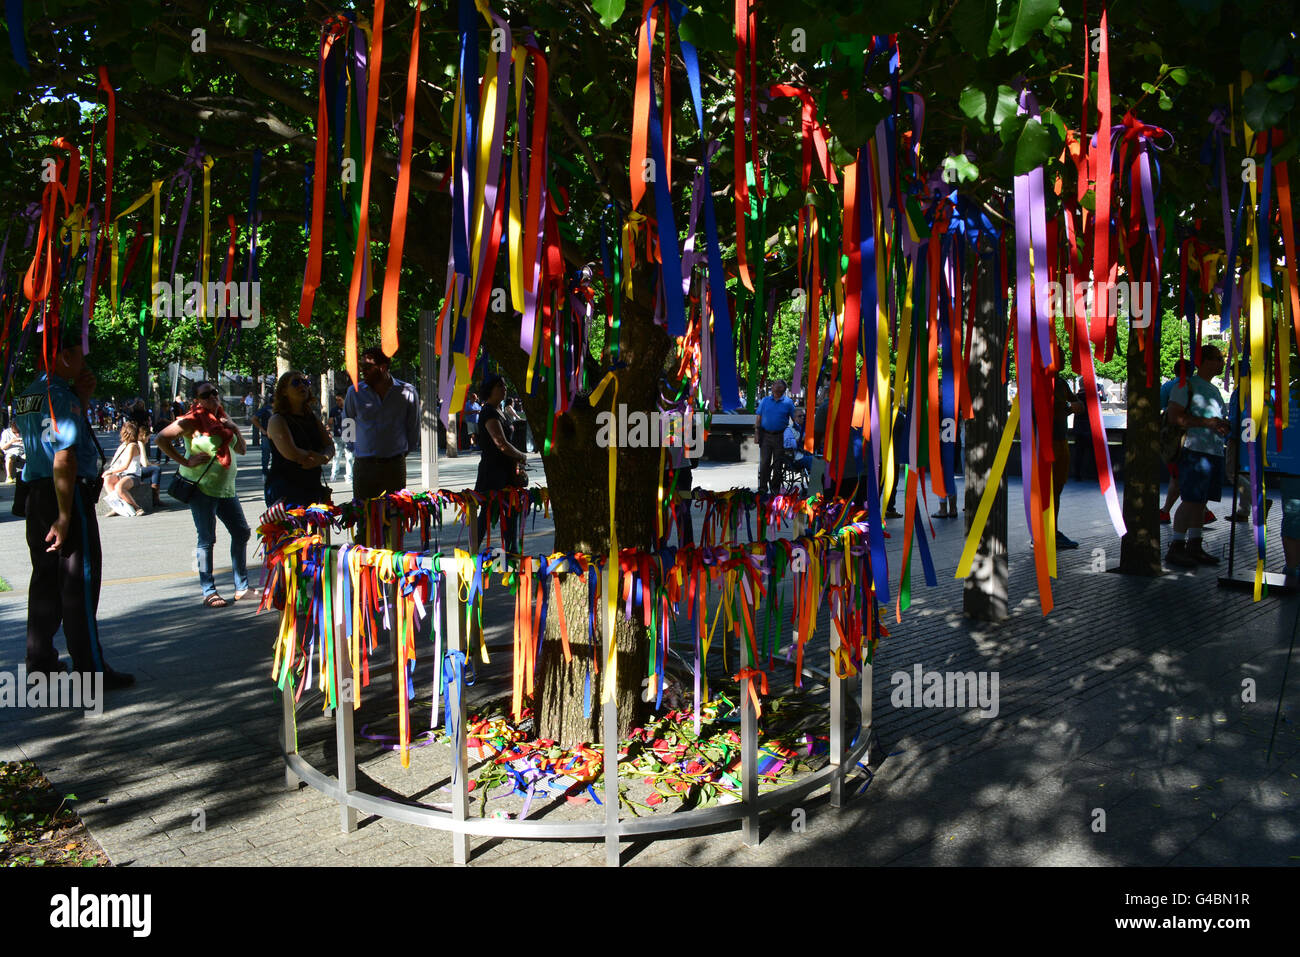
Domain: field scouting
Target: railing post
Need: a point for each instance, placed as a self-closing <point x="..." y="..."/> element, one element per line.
<point x="459" y="759"/>
<point x="344" y="739"/>
<point x="749" y="828"/>
<point x="837" y="714"/>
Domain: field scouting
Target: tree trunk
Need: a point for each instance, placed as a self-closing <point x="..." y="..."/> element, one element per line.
<point x="984" y="596"/>
<point x="577" y="475"/>
<point x="284" y="325"/>
<point x="1139" y="549"/>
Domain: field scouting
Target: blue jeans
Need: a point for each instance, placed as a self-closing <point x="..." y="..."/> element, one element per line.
<point x="205" y="510"/>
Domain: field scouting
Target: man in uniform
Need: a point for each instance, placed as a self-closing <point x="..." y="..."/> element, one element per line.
<point x="62" y="481"/>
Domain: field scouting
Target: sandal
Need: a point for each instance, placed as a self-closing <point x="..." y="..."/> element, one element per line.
<point x="215" y="601"/>
<point x="240" y="595"/>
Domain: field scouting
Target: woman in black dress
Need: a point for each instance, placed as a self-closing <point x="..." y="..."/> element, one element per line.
<point x="300" y="445"/>
<point x="501" y="463"/>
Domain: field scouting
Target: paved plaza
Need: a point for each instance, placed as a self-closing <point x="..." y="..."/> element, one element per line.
<point x="1123" y="706"/>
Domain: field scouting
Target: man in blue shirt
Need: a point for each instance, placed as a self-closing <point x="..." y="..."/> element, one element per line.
<point x="62" y="484"/>
<point x="774" y="413"/>
<point x="385" y="413"/>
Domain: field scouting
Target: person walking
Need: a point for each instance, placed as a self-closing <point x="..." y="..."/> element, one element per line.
<point x="62" y="484"/>
<point x="1199" y="407"/>
<point x="300" y="446"/>
<point x="501" y="465"/>
<point x="341" y="452"/>
<point x="473" y="409"/>
<point x="387" y="416"/>
<point x="774" y="414"/>
<point x="261" y="419"/>
<point x="211" y="442"/>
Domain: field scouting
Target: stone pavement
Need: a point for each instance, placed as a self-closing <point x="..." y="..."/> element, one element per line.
<point x="1125" y="700"/>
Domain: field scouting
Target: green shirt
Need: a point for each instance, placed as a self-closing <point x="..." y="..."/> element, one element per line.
<point x="1206" y="402"/>
<point x="219" y="482"/>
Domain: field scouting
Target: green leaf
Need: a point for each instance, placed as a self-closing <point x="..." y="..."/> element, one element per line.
<point x="973" y="23"/>
<point x="1283" y="84"/>
<point x="609" y="10"/>
<point x="965" y="170"/>
<point x="1263" y="50"/>
<point x="1031" y="16"/>
<point x="990" y="105"/>
<point x="1165" y="102"/>
<point x="1034" y="148"/>
<point x="1178" y="75"/>
<point x="1264" y="108"/>
<point x="1148" y="87"/>
<point x="707" y="31"/>
<point x="157" y="63"/>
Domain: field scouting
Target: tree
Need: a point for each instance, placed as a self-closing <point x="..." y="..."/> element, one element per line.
<point x="241" y="78"/>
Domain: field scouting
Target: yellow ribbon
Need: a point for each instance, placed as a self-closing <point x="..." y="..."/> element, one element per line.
<point x="990" y="491"/>
<point x="516" y="217"/>
<point x="112" y="233"/>
<point x="207" y="235"/>
<point x="611" y="563"/>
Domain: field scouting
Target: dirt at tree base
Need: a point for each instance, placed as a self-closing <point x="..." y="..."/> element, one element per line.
<point x="38" y="826"/>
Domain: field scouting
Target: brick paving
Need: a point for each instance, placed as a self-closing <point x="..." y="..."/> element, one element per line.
<point x="1125" y="701"/>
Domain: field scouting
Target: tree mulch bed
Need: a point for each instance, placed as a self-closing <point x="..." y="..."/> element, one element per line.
<point x="38" y="826"/>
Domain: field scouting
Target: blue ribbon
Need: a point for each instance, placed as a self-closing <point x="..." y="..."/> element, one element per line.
<point x="17" y="40"/>
<point x="457" y="669"/>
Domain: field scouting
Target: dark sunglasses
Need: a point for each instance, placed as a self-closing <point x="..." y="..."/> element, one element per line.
<point x="303" y="383"/>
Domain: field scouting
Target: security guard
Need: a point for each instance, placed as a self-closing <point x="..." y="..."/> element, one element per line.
<point x="62" y="480"/>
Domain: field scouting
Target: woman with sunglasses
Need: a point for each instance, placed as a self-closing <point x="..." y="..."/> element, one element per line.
<point x="300" y="445"/>
<point x="212" y="440"/>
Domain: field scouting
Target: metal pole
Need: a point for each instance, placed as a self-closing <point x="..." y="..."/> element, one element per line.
<point x="837" y="721"/>
<point x="609" y="774"/>
<point x="290" y="744"/>
<point x="749" y="828"/>
<point x="344" y="739"/>
<point x="456" y="704"/>
<point x="428" y="400"/>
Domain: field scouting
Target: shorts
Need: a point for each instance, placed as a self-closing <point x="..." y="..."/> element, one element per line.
<point x="1200" y="476"/>
<point x="1289" y="488"/>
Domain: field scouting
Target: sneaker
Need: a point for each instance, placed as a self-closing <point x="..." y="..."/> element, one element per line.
<point x="1209" y="517"/>
<point x="1240" y="516"/>
<point x="120" y="507"/>
<point x="1195" y="550"/>
<point x="1164" y="517"/>
<point x="893" y="513"/>
<point x="1178" y="555"/>
<point x="1062" y="541"/>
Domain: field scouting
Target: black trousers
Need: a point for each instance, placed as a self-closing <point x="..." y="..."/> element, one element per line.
<point x="372" y="477"/>
<point x="65" y="584"/>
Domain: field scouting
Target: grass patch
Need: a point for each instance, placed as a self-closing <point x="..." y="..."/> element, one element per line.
<point x="5" y="586"/>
